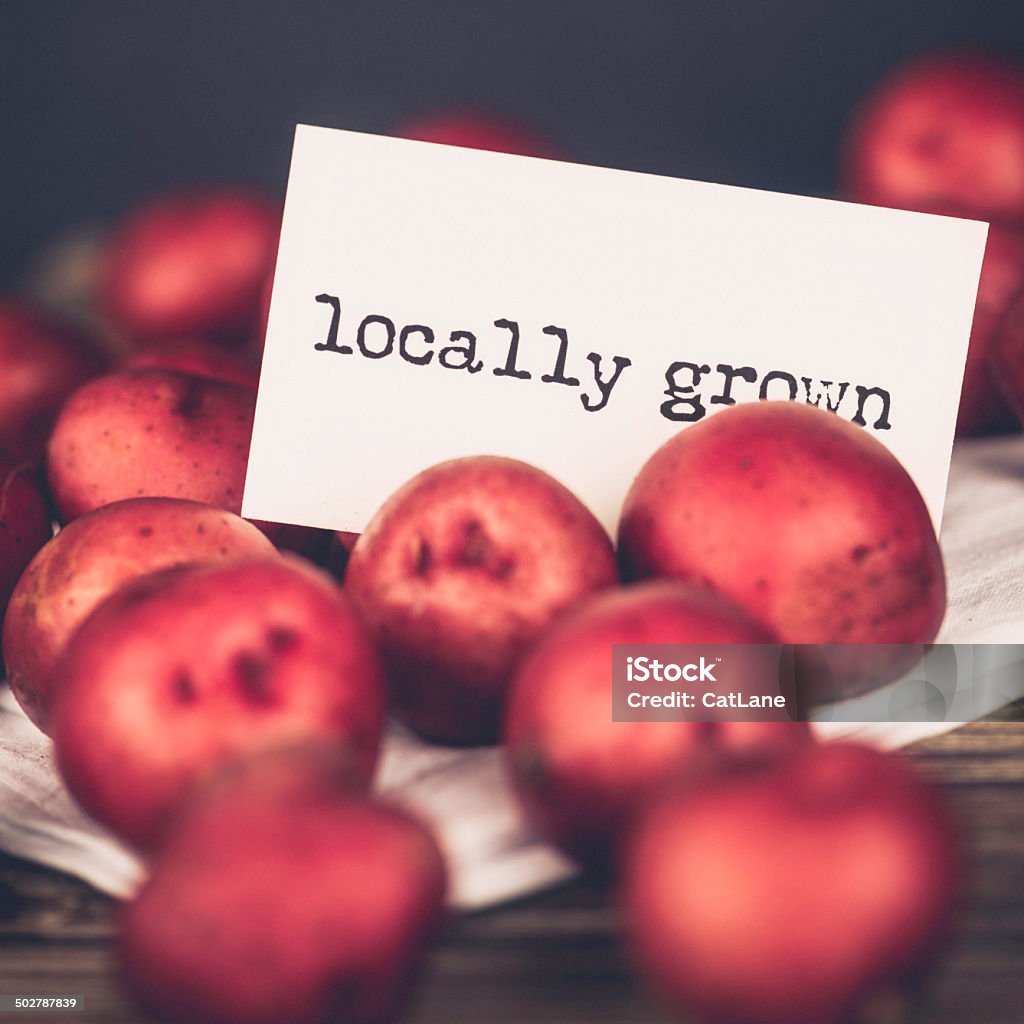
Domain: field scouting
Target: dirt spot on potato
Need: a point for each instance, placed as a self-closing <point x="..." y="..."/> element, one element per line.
<point x="479" y="551"/>
<point x="190" y="402"/>
<point x="184" y="689"/>
<point x="475" y="543"/>
<point x="281" y="639"/>
<point x="424" y="558"/>
<point x="504" y="568"/>
<point x="859" y="553"/>
<point x="145" y="531"/>
<point x="252" y="672"/>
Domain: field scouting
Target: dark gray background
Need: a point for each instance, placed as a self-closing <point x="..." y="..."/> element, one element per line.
<point x="104" y="103"/>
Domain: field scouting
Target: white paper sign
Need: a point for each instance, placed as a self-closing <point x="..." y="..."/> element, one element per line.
<point x="433" y="302"/>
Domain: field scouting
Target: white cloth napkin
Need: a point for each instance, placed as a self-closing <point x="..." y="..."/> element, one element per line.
<point x="464" y="794"/>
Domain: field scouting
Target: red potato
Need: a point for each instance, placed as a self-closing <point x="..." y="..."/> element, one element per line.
<point x="198" y="358"/>
<point x="344" y="895"/>
<point x="24" y="523"/>
<point x="945" y="131"/>
<point x="983" y="408"/>
<point x="804" y="520"/>
<point x="191" y="266"/>
<point x="1008" y="354"/>
<point x="185" y="669"/>
<point x="161" y="433"/>
<point x="150" y="433"/>
<point x="457" y="575"/>
<point x="583" y="777"/>
<point x="91" y="558"/>
<point x="476" y="130"/>
<point x="814" y="891"/>
<point x="41" y="362"/>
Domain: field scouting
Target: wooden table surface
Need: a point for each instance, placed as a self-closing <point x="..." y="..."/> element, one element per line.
<point x="555" y="958"/>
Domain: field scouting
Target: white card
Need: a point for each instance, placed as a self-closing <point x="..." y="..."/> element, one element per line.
<point x="432" y="302"/>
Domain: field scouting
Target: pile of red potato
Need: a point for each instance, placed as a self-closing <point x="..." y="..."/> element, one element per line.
<point x="219" y="702"/>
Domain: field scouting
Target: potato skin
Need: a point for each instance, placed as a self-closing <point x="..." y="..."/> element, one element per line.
<point x="42" y="361"/>
<point x="804" y="520"/>
<point x="582" y="777"/>
<point x="151" y="433"/>
<point x="798" y="893"/>
<point x="191" y="265"/>
<point x="87" y="561"/>
<point x="184" y="669"/>
<point x="458" y="573"/>
<point x="344" y="895"/>
<point x="25" y="524"/>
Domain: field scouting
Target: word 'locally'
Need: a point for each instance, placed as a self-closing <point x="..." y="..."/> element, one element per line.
<point x="377" y="335"/>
